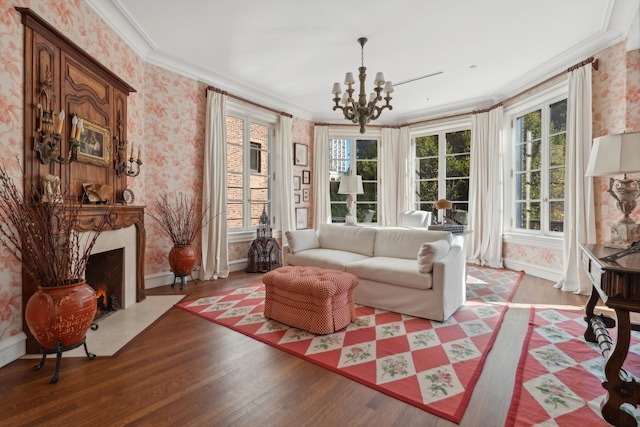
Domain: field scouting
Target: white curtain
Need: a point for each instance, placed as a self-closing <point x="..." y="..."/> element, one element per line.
<point x="388" y="214"/>
<point x="485" y="189"/>
<point x="405" y="182"/>
<point x="283" y="185"/>
<point x="215" y="257"/>
<point x="321" y="202"/>
<point x="579" y="211"/>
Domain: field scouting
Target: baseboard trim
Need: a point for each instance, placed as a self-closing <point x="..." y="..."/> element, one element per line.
<point x="13" y="348"/>
<point x="533" y="270"/>
<point x="165" y="278"/>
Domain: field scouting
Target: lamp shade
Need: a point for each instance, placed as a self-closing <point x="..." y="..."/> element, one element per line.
<point x="350" y="184"/>
<point x="443" y="204"/>
<point x="614" y="155"/>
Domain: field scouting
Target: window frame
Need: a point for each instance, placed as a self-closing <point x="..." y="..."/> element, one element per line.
<point x="353" y="135"/>
<point x="540" y="101"/>
<point x="269" y="119"/>
<point x="441" y="129"/>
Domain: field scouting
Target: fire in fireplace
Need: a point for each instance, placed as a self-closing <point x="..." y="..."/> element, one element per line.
<point x="105" y="275"/>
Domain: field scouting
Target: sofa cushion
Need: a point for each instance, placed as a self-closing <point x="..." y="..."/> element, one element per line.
<point x="405" y="243"/>
<point x="301" y="240"/>
<point x="430" y="252"/>
<point x="355" y="239"/>
<point x="396" y="271"/>
<point x="323" y="258"/>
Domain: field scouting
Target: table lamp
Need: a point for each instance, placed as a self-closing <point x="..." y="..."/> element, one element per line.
<point x="619" y="155"/>
<point x="350" y="184"/>
<point x="443" y="204"/>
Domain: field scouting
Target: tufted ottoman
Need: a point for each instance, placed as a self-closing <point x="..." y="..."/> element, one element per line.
<point x="310" y="298"/>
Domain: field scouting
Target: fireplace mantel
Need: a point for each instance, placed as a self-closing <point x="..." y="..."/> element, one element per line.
<point x="123" y="216"/>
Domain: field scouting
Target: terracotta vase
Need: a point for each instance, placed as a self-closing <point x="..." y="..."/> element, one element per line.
<point x="61" y="314"/>
<point x="182" y="258"/>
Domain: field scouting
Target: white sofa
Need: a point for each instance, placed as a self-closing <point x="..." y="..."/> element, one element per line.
<point x="411" y="271"/>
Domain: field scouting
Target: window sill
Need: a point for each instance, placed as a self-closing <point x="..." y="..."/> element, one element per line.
<point x="547" y="242"/>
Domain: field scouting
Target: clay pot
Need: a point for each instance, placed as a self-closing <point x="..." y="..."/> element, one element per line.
<point x="61" y="314"/>
<point x="182" y="259"/>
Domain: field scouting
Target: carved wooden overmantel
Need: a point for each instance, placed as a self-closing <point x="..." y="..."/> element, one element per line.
<point x="84" y="87"/>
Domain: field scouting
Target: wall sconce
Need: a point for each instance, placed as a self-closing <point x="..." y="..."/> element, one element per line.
<point x="49" y="130"/>
<point x="121" y="165"/>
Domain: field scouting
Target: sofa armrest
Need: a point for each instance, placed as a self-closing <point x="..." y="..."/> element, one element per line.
<point x="285" y="252"/>
<point x="449" y="279"/>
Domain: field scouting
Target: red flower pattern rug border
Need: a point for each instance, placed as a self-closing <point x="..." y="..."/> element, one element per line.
<point x="431" y="365"/>
<point x="559" y="376"/>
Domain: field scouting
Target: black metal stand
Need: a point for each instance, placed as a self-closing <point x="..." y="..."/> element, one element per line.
<point x="183" y="279"/>
<point x="58" y="349"/>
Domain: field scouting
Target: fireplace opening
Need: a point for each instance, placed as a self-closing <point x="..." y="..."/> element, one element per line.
<point x="105" y="275"/>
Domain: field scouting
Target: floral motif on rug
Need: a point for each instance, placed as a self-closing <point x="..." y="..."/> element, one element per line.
<point x="431" y="365"/>
<point x="559" y="378"/>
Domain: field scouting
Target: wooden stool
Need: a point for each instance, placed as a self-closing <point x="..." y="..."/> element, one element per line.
<point x="314" y="299"/>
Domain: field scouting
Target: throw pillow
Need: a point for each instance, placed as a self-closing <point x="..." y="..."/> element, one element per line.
<point x="301" y="240"/>
<point x="429" y="253"/>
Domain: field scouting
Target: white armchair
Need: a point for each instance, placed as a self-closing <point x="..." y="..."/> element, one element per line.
<point x="414" y="219"/>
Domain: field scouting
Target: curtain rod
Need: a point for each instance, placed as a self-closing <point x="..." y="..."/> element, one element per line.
<point x="264" y="107"/>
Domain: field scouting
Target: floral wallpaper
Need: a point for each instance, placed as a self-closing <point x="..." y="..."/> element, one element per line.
<point x="174" y="132"/>
<point x="302" y="133"/>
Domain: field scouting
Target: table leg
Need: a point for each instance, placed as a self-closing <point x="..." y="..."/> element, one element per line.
<point x="591" y="304"/>
<point x="619" y="390"/>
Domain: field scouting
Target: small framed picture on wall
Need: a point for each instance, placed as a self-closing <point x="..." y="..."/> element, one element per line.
<point x="301" y="218"/>
<point x="296" y="182"/>
<point x="300" y="154"/>
<point x="306" y="177"/>
<point x="296" y="199"/>
<point x="305" y="195"/>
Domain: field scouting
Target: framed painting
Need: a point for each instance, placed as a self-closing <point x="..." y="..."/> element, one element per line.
<point x="296" y="182"/>
<point x="305" y="195"/>
<point x="306" y="177"/>
<point x="300" y="154"/>
<point x="301" y="218"/>
<point x="95" y="144"/>
<point x="296" y="199"/>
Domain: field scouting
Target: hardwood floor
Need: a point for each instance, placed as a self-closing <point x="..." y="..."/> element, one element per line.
<point x="186" y="371"/>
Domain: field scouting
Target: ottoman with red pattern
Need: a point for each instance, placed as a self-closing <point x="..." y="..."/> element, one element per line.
<point x="315" y="299"/>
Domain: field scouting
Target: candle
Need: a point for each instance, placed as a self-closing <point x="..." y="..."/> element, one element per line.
<point x="79" y="129"/>
<point x="131" y="156"/>
<point x="60" y="122"/>
<point x="74" y="125"/>
<point x="139" y="155"/>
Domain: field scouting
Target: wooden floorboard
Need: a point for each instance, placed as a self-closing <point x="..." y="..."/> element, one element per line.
<point x="186" y="371"/>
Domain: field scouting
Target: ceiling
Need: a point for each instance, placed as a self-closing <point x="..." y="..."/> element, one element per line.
<point x="288" y="53"/>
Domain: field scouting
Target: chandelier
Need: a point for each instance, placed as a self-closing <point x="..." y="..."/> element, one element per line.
<point x="361" y="111"/>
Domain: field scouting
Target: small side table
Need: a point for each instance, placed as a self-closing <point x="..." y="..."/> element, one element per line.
<point x="618" y="284"/>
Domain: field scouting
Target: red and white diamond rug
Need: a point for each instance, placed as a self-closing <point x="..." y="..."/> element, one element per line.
<point x="559" y="378"/>
<point x="431" y="365"/>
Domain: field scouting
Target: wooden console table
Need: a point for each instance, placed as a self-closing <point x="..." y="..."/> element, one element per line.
<point x="618" y="284"/>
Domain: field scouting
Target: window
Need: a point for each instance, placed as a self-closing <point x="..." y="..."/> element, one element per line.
<point x="442" y="162"/>
<point x="540" y="136"/>
<point x="254" y="157"/>
<point x="248" y="183"/>
<point x="364" y="155"/>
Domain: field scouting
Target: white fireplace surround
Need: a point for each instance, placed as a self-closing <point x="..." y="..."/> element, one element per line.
<point x="115" y="239"/>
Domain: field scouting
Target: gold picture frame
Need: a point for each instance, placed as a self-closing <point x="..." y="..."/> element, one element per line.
<point x="96" y="144"/>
